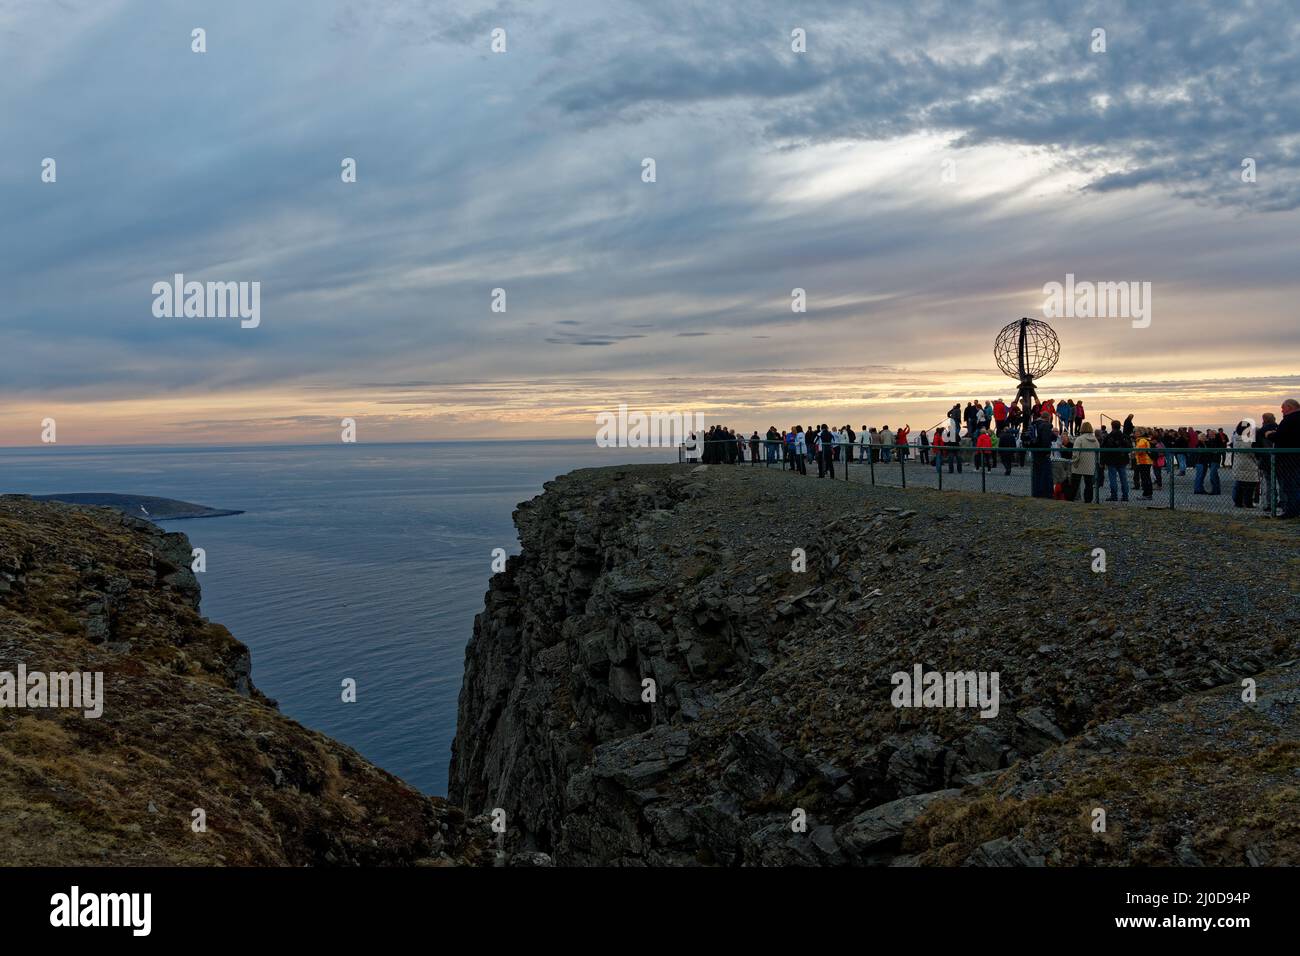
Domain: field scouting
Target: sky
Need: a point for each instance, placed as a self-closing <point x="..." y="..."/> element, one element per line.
<point x="920" y="170"/>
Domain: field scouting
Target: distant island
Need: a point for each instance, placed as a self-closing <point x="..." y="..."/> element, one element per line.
<point x="141" y="506"/>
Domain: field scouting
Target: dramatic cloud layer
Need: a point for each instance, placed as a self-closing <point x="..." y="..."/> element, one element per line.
<point x="921" y="171"/>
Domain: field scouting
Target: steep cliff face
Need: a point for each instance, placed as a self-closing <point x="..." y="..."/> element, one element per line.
<point x="558" y="656"/>
<point x="182" y="726"/>
<point x="654" y="680"/>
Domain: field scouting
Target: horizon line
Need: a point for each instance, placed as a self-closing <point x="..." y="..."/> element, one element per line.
<point x="292" y="444"/>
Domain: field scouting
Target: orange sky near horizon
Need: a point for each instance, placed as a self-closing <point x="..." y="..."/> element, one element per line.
<point x="568" y="408"/>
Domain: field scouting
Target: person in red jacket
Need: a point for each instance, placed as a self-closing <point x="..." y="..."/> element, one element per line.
<point x="999" y="413"/>
<point x="984" y="451"/>
<point x="1077" y="421"/>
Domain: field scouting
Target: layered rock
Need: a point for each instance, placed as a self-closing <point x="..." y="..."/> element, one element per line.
<point x="653" y="680"/>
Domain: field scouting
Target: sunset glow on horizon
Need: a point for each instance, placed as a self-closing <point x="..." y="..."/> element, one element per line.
<point x="915" y="224"/>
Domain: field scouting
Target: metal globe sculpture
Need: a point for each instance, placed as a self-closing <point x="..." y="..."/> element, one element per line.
<point x="1026" y="350"/>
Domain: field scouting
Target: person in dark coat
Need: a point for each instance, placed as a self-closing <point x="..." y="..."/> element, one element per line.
<point x="1264" y="439"/>
<point x="1040" y="441"/>
<point x="1287" y="436"/>
<point x="828" y="450"/>
<point x="1114" y="456"/>
<point x="1007" y="446"/>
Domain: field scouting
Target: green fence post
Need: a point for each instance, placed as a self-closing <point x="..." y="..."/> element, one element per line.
<point x="1272" y="484"/>
<point x="1096" y="481"/>
<point x="901" y="470"/>
<point x="1169" y="461"/>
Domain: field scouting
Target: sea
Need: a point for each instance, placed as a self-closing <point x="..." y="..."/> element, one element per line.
<point x="361" y="561"/>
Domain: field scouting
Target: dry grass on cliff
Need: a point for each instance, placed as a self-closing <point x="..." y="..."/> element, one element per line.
<point x="86" y="590"/>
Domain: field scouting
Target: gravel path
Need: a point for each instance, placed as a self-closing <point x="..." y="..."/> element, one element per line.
<point x="915" y="475"/>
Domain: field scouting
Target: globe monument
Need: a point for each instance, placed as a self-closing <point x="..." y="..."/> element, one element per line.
<point x="1027" y="350"/>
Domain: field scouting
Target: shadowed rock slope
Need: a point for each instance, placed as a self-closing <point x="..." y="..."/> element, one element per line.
<point x="1119" y="690"/>
<point x="88" y="589"/>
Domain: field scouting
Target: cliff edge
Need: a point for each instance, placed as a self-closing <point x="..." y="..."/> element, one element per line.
<point x="182" y="727"/>
<point x="654" y="681"/>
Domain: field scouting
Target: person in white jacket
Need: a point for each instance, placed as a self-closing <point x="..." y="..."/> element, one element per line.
<point x="952" y="434"/>
<point x="1245" y="468"/>
<point x="1084" y="464"/>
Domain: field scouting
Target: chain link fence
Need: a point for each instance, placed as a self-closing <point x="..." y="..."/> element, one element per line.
<point x="1253" y="482"/>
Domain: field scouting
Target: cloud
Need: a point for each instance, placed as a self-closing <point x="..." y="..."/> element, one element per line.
<point x="522" y="170"/>
<point x="1179" y="97"/>
<point x="430" y="22"/>
<point x="575" y="338"/>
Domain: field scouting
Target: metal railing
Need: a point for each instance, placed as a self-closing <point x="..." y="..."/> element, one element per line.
<point x="1207" y="479"/>
<point x="771" y="452"/>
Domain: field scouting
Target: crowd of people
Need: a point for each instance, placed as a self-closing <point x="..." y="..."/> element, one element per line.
<point x="1066" y="414"/>
<point x="821" y="445"/>
<point x="1067" y="455"/>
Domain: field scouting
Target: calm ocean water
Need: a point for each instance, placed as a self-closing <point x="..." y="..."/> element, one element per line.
<point x="361" y="561"/>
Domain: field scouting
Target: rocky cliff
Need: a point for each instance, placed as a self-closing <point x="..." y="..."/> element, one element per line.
<point x="653" y="680"/>
<point x="183" y="728"/>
